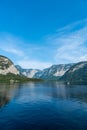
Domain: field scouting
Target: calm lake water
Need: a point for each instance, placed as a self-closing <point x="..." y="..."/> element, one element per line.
<point x="43" y="106"/>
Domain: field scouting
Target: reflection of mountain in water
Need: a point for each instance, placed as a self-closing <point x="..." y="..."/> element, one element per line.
<point x="4" y="99"/>
<point x="61" y="91"/>
<point x="44" y="90"/>
<point x="6" y="93"/>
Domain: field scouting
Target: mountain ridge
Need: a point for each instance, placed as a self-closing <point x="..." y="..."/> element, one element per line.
<point x="73" y="73"/>
<point x="9" y="73"/>
<point x="7" y="66"/>
<point x="76" y="74"/>
<point x="52" y="73"/>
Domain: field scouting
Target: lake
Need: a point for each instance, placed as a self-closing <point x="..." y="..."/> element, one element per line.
<point x="43" y="106"/>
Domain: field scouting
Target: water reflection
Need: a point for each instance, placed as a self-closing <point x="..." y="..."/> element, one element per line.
<point x="77" y="92"/>
<point x="33" y="91"/>
<point x="7" y="92"/>
<point x="45" y="105"/>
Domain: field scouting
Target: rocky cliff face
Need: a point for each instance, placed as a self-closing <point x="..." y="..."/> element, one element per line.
<point x="7" y="66"/>
<point x="69" y="73"/>
<point x="55" y="71"/>
<point x="77" y="74"/>
<point x="51" y="73"/>
<point x="30" y="73"/>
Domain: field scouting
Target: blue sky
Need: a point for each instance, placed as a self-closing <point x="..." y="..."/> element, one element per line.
<point x="39" y="33"/>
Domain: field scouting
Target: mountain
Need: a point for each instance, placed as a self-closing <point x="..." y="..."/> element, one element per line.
<point x="68" y="73"/>
<point x="77" y="74"/>
<point x="9" y="73"/>
<point x="52" y="73"/>
<point x="30" y="73"/>
<point x="7" y="66"/>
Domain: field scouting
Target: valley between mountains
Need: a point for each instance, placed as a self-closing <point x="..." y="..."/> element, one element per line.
<point x="72" y="73"/>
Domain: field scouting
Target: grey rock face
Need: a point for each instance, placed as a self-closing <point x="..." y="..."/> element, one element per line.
<point x="7" y="66"/>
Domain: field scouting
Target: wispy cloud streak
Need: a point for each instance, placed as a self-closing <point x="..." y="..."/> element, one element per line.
<point x="70" y="42"/>
<point x="66" y="45"/>
<point x="10" y="44"/>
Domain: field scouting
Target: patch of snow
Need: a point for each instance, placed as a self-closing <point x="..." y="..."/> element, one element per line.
<point x="32" y="73"/>
<point x="24" y="73"/>
<point x="78" y="67"/>
<point x="60" y="73"/>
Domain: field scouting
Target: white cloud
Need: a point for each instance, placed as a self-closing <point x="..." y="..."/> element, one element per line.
<point x="9" y="45"/>
<point x="34" y="64"/>
<point x="70" y="42"/>
<point x="83" y="58"/>
<point x="24" y="53"/>
<point x="12" y="50"/>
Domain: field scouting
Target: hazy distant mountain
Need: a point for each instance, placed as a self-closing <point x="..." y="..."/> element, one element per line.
<point x="69" y="73"/>
<point x="77" y="74"/>
<point x="30" y="73"/>
<point x="51" y="73"/>
<point x="54" y="72"/>
<point x="9" y="72"/>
